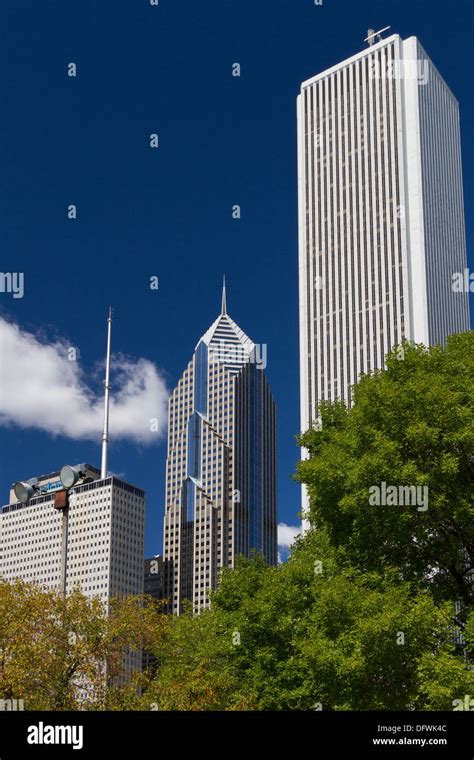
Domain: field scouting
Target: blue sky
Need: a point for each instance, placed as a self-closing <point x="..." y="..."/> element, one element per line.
<point x="167" y="212"/>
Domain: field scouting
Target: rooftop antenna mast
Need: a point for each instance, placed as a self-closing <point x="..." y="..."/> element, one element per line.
<point x="224" y="299"/>
<point x="105" y="436"/>
<point x="373" y="37"/>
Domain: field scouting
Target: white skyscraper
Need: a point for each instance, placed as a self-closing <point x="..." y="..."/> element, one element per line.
<point x="91" y="536"/>
<point x="381" y="219"/>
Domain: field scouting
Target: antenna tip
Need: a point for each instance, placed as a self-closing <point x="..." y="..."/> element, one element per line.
<point x="224" y="299"/>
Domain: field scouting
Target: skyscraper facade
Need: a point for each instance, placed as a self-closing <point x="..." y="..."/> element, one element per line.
<point x="96" y="544"/>
<point x="381" y="219"/>
<point x="220" y="471"/>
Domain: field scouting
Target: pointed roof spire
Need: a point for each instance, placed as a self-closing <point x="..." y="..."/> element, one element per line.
<point x="225" y="336"/>
<point x="224" y="302"/>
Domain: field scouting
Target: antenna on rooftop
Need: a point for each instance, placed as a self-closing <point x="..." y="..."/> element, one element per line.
<point x="373" y="37"/>
<point x="105" y="436"/>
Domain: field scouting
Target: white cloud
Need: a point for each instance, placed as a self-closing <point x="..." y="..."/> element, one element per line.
<point x="286" y="536"/>
<point x="40" y="388"/>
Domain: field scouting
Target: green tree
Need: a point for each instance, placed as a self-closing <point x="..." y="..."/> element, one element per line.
<point x="311" y="634"/>
<point x="61" y="653"/>
<point x="410" y="425"/>
<point x="198" y="668"/>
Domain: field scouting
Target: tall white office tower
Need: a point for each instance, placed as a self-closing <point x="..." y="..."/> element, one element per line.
<point x="381" y="220"/>
<point x="220" y="469"/>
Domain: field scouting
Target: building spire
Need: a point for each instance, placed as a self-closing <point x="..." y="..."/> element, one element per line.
<point x="224" y="301"/>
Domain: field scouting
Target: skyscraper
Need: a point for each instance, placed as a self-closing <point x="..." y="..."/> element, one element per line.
<point x="381" y="220"/>
<point x="91" y="537"/>
<point x="220" y="470"/>
<point x="98" y="545"/>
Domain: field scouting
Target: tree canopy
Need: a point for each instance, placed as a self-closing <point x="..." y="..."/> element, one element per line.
<point x="411" y="426"/>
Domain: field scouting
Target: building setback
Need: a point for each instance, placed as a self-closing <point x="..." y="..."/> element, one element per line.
<point x="381" y="216"/>
<point x="220" y="471"/>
